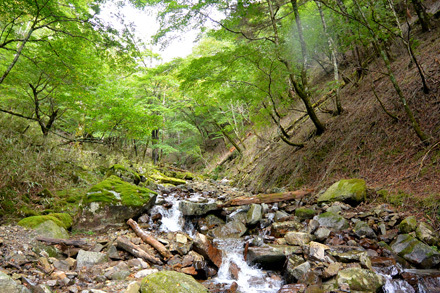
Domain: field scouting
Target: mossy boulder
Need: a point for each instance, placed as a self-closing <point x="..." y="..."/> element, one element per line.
<point x="61" y="219"/>
<point x="305" y="213"/>
<point x="51" y="230"/>
<point x="112" y="202"/>
<point x="427" y="234"/>
<point x="125" y="174"/>
<point x="360" y="280"/>
<point x="408" y="225"/>
<point x="160" y="178"/>
<point x="351" y="191"/>
<point x="415" y="251"/>
<point x="171" y="282"/>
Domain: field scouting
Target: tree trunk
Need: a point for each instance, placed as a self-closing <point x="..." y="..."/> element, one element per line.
<point x="303" y="43"/>
<point x="423" y="16"/>
<point x="154" y="141"/>
<point x="267" y="198"/>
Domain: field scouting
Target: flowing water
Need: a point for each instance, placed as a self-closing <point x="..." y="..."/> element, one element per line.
<point x="250" y="278"/>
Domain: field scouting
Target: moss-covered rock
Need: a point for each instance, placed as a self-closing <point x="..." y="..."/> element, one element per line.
<point x="125" y="174"/>
<point x="305" y="213"/>
<point x="51" y="230"/>
<point x="427" y="234"/>
<point x="112" y="202"/>
<point x="171" y="282"/>
<point x="408" y="225"/>
<point x="61" y="219"/>
<point x="167" y="180"/>
<point x="415" y="251"/>
<point x="352" y="191"/>
<point x="360" y="279"/>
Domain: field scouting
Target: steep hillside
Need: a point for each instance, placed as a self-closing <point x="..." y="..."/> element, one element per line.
<point x="363" y="142"/>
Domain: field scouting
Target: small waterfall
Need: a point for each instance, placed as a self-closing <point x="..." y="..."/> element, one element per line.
<point x="250" y="278"/>
<point x="172" y="219"/>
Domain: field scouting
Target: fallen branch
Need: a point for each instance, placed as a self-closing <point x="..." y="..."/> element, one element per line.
<point x="267" y="198"/>
<point x="135" y="250"/>
<point x="149" y="239"/>
<point x="77" y="243"/>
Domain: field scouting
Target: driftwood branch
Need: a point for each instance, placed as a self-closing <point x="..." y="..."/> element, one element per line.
<point x="77" y="243"/>
<point x="149" y="239"/>
<point x="267" y="198"/>
<point x="127" y="245"/>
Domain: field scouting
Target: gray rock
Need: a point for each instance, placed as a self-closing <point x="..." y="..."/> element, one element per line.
<point x="118" y="272"/>
<point x="296" y="269"/>
<point x="312" y="226"/>
<point x="190" y="208"/>
<point x="427" y="234"/>
<point x="352" y="191"/>
<point x="415" y="251"/>
<point x="332" y="221"/>
<point x="7" y="284"/>
<point x="362" y="229"/>
<point x="408" y="225"/>
<point x="254" y="214"/>
<point x="298" y="238"/>
<point x="271" y="255"/>
<point x="317" y="251"/>
<point x="89" y="258"/>
<point x="51" y="230"/>
<point x="279" y="229"/>
<point x="170" y="281"/>
<point x="233" y="229"/>
<point x="144" y="273"/>
<point x="305" y="213"/>
<point x="322" y="234"/>
<point x="360" y="279"/>
<point x="281" y="216"/>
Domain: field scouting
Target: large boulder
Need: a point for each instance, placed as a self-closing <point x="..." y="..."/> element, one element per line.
<point x="352" y="191"/>
<point x="125" y="174"/>
<point x="191" y="208"/>
<point x="271" y="256"/>
<point x="61" y="219"/>
<point x="170" y="281"/>
<point x="234" y="229"/>
<point x="360" y="279"/>
<point x="415" y="251"/>
<point x="51" y="230"/>
<point x="7" y="284"/>
<point x="254" y="214"/>
<point x="332" y="221"/>
<point x="112" y="202"/>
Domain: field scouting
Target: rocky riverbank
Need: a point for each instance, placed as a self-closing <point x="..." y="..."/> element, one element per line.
<point x="332" y="241"/>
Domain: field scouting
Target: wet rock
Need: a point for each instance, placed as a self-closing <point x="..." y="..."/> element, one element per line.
<point x="360" y="279"/>
<point x="408" y="225"/>
<point x="89" y="258"/>
<point x="281" y="216"/>
<point x="271" y="255"/>
<point x="204" y="246"/>
<point x="234" y="270"/>
<point x="51" y="230"/>
<point x="112" y="202"/>
<point x="7" y="284"/>
<point x="352" y="191"/>
<point x="279" y="229"/>
<point x="298" y="238"/>
<point x="190" y="208"/>
<point x="213" y="221"/>
<point x="232" y="229"/>
<point x="305" y="213"/>
<point x="361" y="229"/>
<point x="254" y="214"/>
<point x="415" y="251"/>
<point x="170" y="281"/>
<point x="322" y="234"/>
<point x="332" y="221"/>
<point x="181" y="243"/>
<point x="427" y="234"/>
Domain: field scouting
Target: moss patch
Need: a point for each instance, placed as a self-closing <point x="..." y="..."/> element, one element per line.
<point x="125" y="174"/>
<point x="352" y="191"/>
<point x="167" y="180"/>
<point x="305" y="213"/>
<point x="61" y="219"/>
<point x="113" y="190"/>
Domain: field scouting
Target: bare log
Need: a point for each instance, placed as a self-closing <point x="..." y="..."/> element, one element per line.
<point x="149" y="239"/>
<point x="135" y="250"/>
<point x="267" y="198"/>
<point x="77" y="243"/>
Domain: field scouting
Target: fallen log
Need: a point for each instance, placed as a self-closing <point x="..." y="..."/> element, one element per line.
<point x="127" y="245"/>
<point x="149" y="239"/>
<point x="77" y="243"/>
<point x="267" y="198"/>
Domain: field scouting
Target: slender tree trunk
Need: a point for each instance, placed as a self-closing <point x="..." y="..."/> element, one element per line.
<point x="332" y="47"/>
<point x="423" y="16"/>
<point x="303" y="43"/>
<point x="154" y="141"/>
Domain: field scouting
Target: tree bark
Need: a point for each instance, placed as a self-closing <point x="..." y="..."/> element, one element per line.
<point x="423" y="16"/>
<point x="149" y="240"/>
<point x="267" y="198"/>
<point x="135" y="250"/>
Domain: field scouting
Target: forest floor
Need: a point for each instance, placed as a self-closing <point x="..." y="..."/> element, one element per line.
<point x="364" y="142"/>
